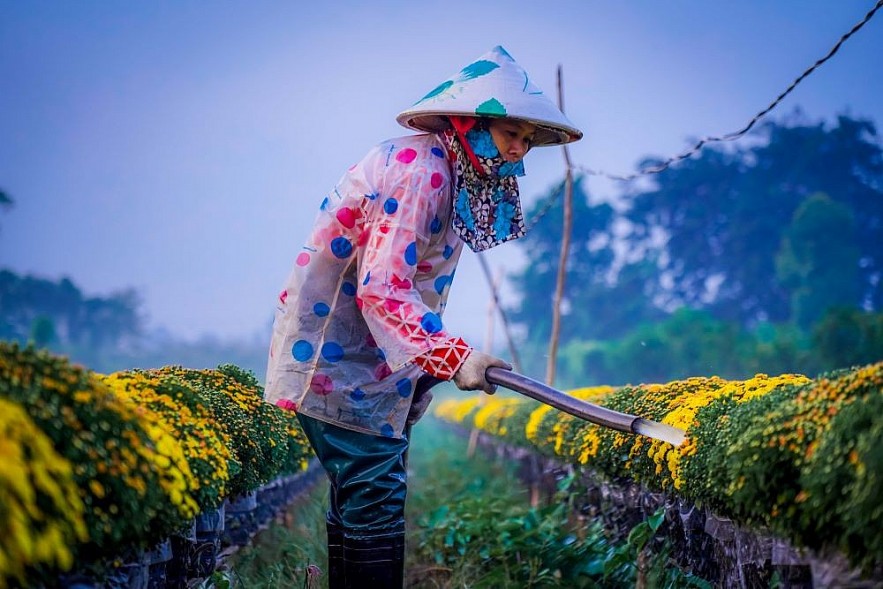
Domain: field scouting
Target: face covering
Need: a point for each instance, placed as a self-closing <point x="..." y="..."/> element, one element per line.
<point x="487" y="209"/>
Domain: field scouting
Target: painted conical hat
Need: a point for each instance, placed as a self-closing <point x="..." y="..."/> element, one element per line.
<point x="492" y="86"/>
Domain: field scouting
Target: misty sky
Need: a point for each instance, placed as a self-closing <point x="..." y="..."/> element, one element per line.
<point x="182" y="148"/>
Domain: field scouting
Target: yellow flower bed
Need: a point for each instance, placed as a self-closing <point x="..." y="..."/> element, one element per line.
<point x="41" y="513"/>
<point x="797" y="455"/>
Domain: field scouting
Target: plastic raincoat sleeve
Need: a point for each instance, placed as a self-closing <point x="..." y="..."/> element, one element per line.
<point x="402" y="324"/>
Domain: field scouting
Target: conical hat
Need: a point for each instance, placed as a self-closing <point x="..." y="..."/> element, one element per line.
<point x="492" y="86"/>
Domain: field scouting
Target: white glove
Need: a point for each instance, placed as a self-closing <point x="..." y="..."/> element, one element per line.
<point x="471" y="376"/>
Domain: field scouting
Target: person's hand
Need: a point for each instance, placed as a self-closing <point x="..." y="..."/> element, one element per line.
<point x="471" y="375"/>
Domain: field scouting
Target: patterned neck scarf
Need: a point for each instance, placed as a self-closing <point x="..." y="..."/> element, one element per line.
<point x="487" y="209"/>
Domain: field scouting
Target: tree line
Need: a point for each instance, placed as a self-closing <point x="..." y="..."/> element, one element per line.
<point x="763" y="258"/>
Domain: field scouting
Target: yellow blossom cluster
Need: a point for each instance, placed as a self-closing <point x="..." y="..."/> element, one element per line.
<point x="41" y="513"/>
<point x="492" y="416"/>
<point x="179" y="409"/>
<point x="457" y="410"/>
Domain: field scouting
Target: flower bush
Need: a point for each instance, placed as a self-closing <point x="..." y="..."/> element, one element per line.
<point x="97" y="467"/>
<point x="41" y="512"/>
<point x="258" y="432"/>
<point x="131" y="474"/>
<point x="178" y="408"/>
<point x="799" y="456"/>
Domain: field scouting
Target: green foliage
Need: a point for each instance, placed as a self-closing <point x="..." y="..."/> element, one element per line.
<point x="258" y="431"/>
<point x="80" y="324"/>
<point x="587" y="293"/>
<point x="848" y="337"/>
<point x="725" y="213"/>
<point x="819" y="259"/>
<point x="773" y="237"/>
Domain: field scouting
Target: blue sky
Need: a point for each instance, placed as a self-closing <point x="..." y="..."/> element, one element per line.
<point x="182" y="148"/>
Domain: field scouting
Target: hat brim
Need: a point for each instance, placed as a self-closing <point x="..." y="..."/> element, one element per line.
<point x="436" y="122"/>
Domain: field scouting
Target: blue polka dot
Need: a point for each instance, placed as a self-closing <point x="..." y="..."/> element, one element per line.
<point x="441" y="282"/>
<point x="332" y="351"/>
<point x="372" y="196"/>
<point x="404" y="387"/>
<point x="387" y="430"/>
<point x="341" y="247"/>
<point x="411" y="253"/>
<point x="390" y="206"/>
<point x="437" y="152"/>
<point x="348" y="288"/>
<point x="302" y="350"/>
<point x="367" y="278"/>
<point x="449" y="251"/>
<point x="436" y="225"/>
<point x="357" y="394"/>
<point x="321" y="309"/>
<point x="324" y="204"/>
<point x="431" y="322"/>
<point x="380" y="355"/>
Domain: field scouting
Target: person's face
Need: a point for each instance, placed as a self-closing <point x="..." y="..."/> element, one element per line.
<point x="512" y="137"/>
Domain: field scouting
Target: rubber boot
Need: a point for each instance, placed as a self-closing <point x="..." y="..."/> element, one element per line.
<point x="335" y="556"/>
<point x="375" y="562"/>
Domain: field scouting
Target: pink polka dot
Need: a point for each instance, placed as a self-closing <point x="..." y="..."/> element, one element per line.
<point x="406" y="156"/>
<point x="303" y="259"/>
<point x="321" y="384"/>
<point x="384" y="229"/>
<point x="347" y="217"/>
<point x="391" y="305"/>
<point x="382" y="371"/>
<point x="424" y="266"/>
<point x="359" y="303"/>
<point x="400" y="282"/>
<point x="363" y="238"/>
<point x="282" y="296"/>
<point x="286" y="404"/>
<point x="436" y="180"/>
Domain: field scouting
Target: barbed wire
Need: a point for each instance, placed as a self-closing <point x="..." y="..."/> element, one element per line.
<point x="657" y="168"/>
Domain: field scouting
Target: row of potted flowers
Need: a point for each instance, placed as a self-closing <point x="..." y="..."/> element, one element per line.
<point x="97" y="467"/>
<point x="796" y="456"/>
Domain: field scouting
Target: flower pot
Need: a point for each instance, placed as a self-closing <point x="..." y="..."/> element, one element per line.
<point x="240" y="522"/>
<point x="209" y="527"/>
<point x="158" y="559"/>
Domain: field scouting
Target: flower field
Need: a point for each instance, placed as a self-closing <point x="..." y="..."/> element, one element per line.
<point x="799" y="457"/>
<point x="95" y="467"/>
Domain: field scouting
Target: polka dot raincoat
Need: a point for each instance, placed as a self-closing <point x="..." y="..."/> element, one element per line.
<point x="367" y="291"/>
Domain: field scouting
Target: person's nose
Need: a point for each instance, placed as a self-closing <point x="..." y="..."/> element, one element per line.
<point x="517" y="149"/>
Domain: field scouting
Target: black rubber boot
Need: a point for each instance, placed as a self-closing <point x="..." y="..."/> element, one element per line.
<point x="335" y="556"/>
<point x="375" y="563"/>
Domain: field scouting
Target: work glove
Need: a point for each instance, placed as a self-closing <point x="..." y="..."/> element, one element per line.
<point x="471" y="375"/>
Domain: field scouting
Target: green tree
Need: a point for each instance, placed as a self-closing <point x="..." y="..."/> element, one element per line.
<point x="43" y="331"/>
<point x="819" y="259"/>
<point x="847" y="337"/>
<point x="721" y="217"/>
<point x="599" y="301"/>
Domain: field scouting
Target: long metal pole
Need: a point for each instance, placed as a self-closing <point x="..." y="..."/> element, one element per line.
<point x="583" y="409"/>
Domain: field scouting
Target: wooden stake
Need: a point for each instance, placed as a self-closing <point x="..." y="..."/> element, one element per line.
<point x="565" y="247"/>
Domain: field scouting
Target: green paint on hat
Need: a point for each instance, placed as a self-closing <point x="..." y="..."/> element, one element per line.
<point x="479" y="68"/>
<point x="491" y="108"/>
<point x="437" y="90"/>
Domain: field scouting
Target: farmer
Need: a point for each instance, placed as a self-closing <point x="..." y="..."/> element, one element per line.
<point x="358" y="338"/>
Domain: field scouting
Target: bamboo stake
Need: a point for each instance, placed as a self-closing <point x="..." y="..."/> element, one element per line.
<point x="565" y="247"/>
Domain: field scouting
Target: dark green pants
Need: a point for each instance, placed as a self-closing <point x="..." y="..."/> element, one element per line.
<point x="366" y="517"/>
